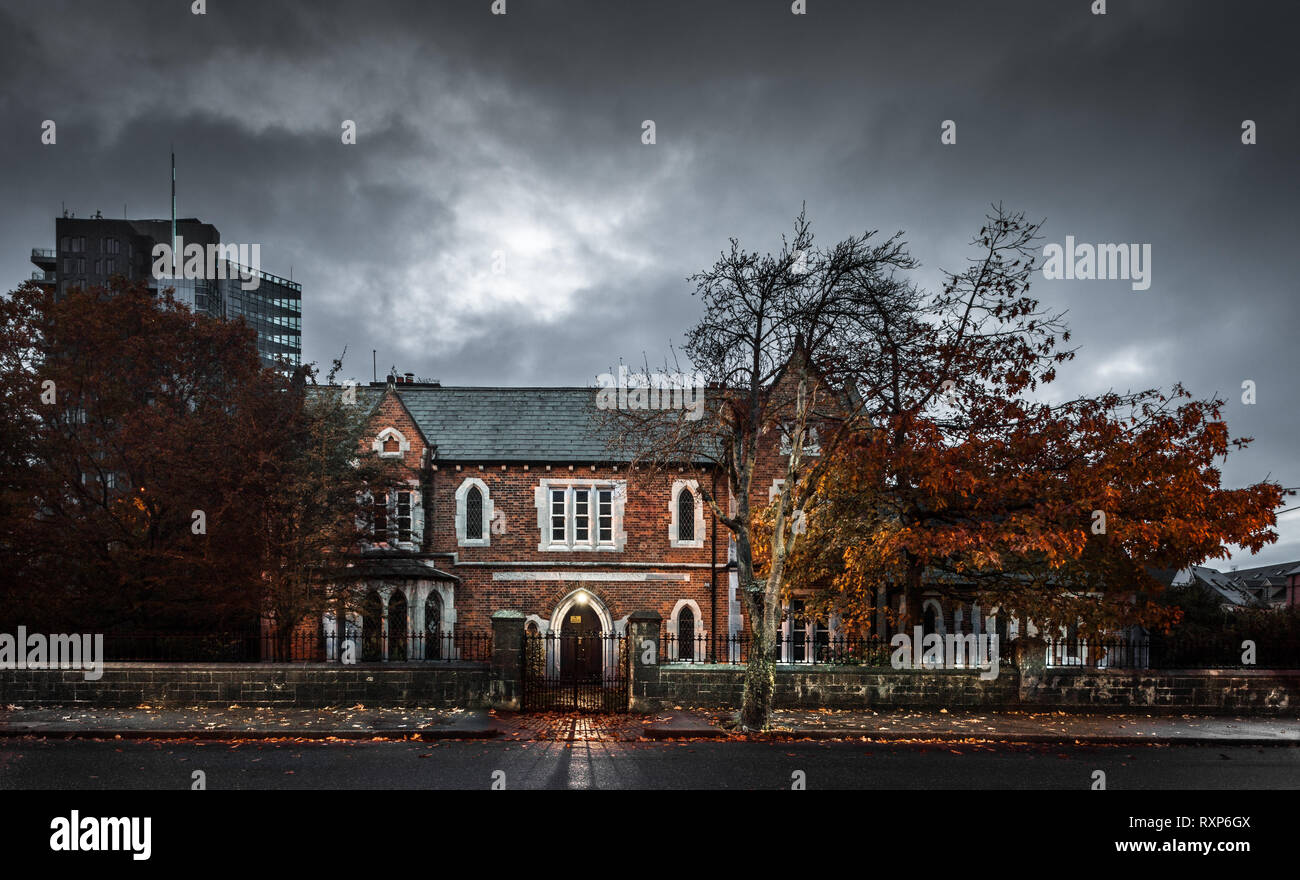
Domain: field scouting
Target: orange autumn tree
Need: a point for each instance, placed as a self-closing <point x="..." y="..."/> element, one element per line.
<point x="1049" y="513"/>
<point x="813" y="344"/>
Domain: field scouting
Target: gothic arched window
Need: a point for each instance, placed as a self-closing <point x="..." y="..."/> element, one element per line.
<point x="474" y="514"/>
<point x="686" y="632"/>
<point x="685" y="515"/>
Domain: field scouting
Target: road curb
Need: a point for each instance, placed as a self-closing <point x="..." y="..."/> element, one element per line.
<point x="921" y="737"/>
<point x="662" y="733"/>
<point x="380" y="733"/>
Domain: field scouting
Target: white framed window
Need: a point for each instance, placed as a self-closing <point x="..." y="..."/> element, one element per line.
<point x="397" y="517"/>
<point x="686" y="515"/>
<point x="605" y="516"/>
<point x="402" y="518"/>
<point x="379" y="517"/>
<point x="474" y="511"/>
<point x="581" y="514"/>
<point x="391" y="443"/>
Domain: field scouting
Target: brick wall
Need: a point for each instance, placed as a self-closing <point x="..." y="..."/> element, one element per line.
<point x="511" y="491"/>
<point x="646" y="522"/>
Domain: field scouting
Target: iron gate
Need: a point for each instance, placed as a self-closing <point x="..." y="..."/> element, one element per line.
<point x="575" y="672"/>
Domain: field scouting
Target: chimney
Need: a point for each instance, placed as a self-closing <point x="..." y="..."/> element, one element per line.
<point x="410" y="378"/>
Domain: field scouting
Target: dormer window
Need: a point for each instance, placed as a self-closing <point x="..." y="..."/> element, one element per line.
<point x="474" y="512"/>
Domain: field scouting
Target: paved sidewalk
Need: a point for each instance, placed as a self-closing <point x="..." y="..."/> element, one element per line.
<point x="1037" y="727"/>
<point x="237" y="722"/>
<point x="359" y="722"/>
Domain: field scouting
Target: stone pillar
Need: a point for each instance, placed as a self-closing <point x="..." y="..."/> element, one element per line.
<point x="1031" y="665"/>
<point x="643" y="645"/>
<point x="505" y="671"/>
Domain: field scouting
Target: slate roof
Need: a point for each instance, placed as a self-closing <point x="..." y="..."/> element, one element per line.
<point x="394" y="566"/>
<point x="504" y="424"/>
<point x="1278" y="569"/>
<point x="1222" y="584"/>
<point x="1248" y="586"/>
<point x="509" y="424"/>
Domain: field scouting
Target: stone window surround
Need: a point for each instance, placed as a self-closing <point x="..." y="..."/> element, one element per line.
<point x="488" y="510"/>
<point x="542" y="501"/>
<point x="417" y="515"/>
<point x="416" y="594"/>
<point x="673" y="509"/>
<point x="701" y="634"/>
<point x="390" y="433"/>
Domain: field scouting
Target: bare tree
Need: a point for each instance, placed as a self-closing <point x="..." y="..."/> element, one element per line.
<point x="778" y="350"/>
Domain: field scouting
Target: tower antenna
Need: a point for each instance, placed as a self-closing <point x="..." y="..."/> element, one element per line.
<point x="173" y="248"/>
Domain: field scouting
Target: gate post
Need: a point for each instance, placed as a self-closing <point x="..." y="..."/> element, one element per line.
<point x="505" y="670"/>
<point x="643" y="645"/>
<point x="1031" y="665"/>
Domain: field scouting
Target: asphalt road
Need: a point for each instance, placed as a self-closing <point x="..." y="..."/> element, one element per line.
<point x="97" y="764"/>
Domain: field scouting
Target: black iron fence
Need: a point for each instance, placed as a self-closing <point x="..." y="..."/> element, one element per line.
<point x="789" y="648"/>
<point x="359" y="645"/>
<point x="370" y="645"/>
<point x="575" y="672"/>
<point x="1155" y="651"/>
<point x="1177" y="651"/>
<point x="1101" y="653"/>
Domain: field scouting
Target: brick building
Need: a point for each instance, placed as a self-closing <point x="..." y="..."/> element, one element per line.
<point x="508" y="499"/>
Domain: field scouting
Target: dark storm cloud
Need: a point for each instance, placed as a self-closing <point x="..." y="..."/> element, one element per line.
<point x="516" y="139"/>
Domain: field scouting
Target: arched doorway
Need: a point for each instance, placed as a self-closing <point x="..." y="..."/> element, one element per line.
<point x="580" y="645"/>
<point x="579" y="662"/>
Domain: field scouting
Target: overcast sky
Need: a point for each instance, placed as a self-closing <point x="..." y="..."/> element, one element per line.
<point x="520" y="137"/>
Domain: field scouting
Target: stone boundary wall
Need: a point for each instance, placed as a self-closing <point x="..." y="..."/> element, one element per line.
<point x="1227" y="691"/>
<point x="304" y="685"/>
<point x="839" y="687"/>
<point x="1212" y="691"/>
<point x="477" y="685"/>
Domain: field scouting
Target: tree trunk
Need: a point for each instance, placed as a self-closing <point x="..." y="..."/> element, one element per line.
<point x="760" y="670"/>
